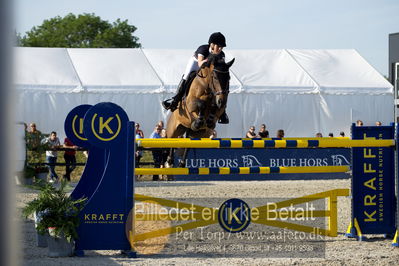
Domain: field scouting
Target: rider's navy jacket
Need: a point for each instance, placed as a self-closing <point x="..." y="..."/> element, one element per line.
<point x="204" y="50"/>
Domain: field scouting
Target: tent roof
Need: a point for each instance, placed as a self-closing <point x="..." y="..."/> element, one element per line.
<point x="270" y="70"/>
<point x="160" y="70"/>
<point x="118" y="69"/>
<point x="44" y="67"/>
<point x="343" y="71"/>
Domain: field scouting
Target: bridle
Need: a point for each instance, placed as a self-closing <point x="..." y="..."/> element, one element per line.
<point x="211" y="88"/>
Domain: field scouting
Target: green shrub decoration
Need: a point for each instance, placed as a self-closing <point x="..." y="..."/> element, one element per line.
<point x="54" y="208"/>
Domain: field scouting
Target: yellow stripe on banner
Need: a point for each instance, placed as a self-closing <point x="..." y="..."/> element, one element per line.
<point x="203" y="171"/>
<point x="224" y="170"/>
<point x="259" y="144"/>
<point x="236" y="144"/>
<point x="302" y="144"/>
<point x="244" y="170"/>
<point x="280" y="143"/>
<point x="264" y="170"/>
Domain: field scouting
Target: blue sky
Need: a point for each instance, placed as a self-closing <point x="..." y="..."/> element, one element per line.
<point x="363" y="25"/>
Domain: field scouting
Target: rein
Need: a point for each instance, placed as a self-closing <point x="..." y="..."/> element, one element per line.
<point x="222" y="92"/>
<point x="212" y="88"/>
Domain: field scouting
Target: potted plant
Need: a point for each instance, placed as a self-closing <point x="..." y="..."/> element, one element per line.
<point x="57" y="216"/>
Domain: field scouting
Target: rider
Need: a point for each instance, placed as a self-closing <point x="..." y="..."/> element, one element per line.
<point x="215" y="45"/>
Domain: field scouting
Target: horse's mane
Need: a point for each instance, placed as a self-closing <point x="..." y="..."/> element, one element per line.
<point x="214" y="59"/>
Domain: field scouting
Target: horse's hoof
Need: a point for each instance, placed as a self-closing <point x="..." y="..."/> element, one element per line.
<point x="182" y="164"/>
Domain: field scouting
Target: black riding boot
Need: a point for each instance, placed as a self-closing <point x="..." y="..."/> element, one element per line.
<point x="171" y="104"/>
<point x="224" y="119"/>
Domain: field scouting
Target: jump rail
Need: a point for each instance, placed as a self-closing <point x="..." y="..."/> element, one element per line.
<point x="241" y="170"/>
<point x="209" y="143"/>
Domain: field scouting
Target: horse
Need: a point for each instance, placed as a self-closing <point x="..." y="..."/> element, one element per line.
<point x="197" y="114"/>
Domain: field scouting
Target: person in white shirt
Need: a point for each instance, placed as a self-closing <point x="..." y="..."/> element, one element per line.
<point x="51" y="154"/>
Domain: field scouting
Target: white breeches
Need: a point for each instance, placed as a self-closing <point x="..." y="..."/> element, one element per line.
<point x="192" y="65"/>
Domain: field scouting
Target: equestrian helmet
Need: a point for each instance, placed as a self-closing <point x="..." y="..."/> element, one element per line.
<point x="217" y="38"/>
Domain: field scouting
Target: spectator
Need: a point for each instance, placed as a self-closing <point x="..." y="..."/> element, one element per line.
<point x="161" y="124"/>
<point x="378" y="123"/>
<point x="213" y="135"/>
<point x="251" y="133"/>
<point x="280" y="133"/>
<point x="139" y="132"/>
<point x="70" y="158"/>
<point x="156" y="153"/>
<point x="51" y="154"/>
<point x="156" y="134"/>
<point x="319" y="135"/>
<point x="331" y="135"/>
<point x="165" y="152"/>
<point x="263" y="133"/>
<point x="359" y="123"/>
<point x="163" y="133"/>
<point x="139" y="153"/>
<point x="342" y="134"/>
<point x="33" y="137"/>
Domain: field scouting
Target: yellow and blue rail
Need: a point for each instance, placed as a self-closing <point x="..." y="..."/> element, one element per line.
<point x="263" y="143"/>
<point x="241" y="170"/>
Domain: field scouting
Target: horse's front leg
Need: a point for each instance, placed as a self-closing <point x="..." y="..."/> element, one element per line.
<point x="170" y="159"/>
<point x="197" y="106"/>
<point x="182" y="162"/>
<point x="211" y="119"/>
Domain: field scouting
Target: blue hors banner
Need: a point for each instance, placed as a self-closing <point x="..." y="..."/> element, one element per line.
<point x="266" y="157"/>
<point x="373" y="188"/>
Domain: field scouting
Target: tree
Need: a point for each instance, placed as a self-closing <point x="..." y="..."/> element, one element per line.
<point x="82" y="31"/>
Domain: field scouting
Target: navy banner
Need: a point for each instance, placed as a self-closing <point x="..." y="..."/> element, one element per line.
<point x="110" y="188"/>
<point x="373" y="183"/>
<point x="266" y="157"/>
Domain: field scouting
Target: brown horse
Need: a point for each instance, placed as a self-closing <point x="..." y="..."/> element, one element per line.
<point x="197" y="115"/>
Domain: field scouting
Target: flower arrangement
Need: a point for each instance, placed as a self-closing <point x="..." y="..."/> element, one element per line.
<point x="55" y="209"/>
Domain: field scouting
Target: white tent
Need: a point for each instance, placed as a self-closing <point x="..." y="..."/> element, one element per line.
<point x="300" y="91"/>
